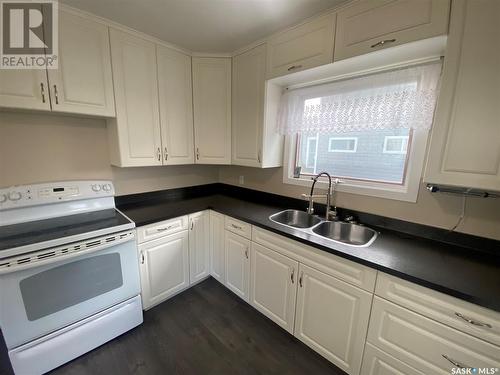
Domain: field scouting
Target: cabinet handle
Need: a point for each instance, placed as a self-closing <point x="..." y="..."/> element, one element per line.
<point x="236" y="226"/>
<point x="246" y="252"/>
<point x="164" y="229"/>
<point x="56" y="94"/>
<point x="293" y="67"/>
<point x="453" y="362"/>
<point x="300" y="278"/>
<point x="166" y="154"/>
<point x="473" y="322"/>
<point x="158" y="154"/>
<point x="197" y="153"/>
<point x="382" y="42"/>
<point x="142" y="257"/>
<point x="258" y="157"/>
<point x="292" y="275"/>
<point x="42" y="90"/>
<point x="192" y="224"/>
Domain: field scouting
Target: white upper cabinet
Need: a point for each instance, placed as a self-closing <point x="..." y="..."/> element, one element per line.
<point x="199" y="250"/>
<point x="369" y="25"/>
<point x="176" y="106"/>
<point x="212" y="109"/>
<point x="465" y="140"/>
<point x="255" y="140"/>
<point x="83" y="82"/>
<point x="302" y="47"/>
<point x="135" y="134"/>
<point x="24" y="89"/>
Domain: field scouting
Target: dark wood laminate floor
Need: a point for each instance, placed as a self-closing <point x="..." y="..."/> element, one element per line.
<point x="204" y="330"/>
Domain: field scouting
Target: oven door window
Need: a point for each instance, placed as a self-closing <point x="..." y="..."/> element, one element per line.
<point x="67" y="285"/>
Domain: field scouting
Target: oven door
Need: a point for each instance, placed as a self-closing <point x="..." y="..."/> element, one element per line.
<point x="40" y="297"/>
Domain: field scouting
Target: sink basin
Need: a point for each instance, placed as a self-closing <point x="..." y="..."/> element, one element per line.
<point x="295" y="218"/>
<point x="347" y="233"/>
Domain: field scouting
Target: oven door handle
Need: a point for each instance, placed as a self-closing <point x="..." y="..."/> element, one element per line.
<point x="61" y="253"/>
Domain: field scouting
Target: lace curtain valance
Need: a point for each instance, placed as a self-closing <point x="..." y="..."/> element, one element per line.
<point x="403" y="98"/>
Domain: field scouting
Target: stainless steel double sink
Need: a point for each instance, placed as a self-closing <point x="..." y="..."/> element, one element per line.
<point x="338" y="231"/>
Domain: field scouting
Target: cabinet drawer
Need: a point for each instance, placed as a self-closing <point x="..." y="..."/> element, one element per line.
<point x="370" y="25"/>
<point x="238" y="227"/>
<point x="343" y="269"/>
<point x="467" y="317"/>
<point x="162" y="228"/>
<point x="377" y="362"/>
<point x="302" y="47"/>
<point x="424" y="344"/>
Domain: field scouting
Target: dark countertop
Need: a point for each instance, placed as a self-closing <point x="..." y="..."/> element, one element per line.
<point x="460" y="272"/>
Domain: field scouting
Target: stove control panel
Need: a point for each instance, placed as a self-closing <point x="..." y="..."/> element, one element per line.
<point x="53" y="192"/>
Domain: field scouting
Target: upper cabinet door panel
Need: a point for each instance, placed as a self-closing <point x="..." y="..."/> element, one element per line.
<point x="24" y="89"/>
<point x="176" y="106"/>
<point x="83" y="82"/>
<point x="212" y="109"/>
<point x="137" y="124"/>
<point x="370" y="25"/>
<point x="305" y="46"/>
<point x="465" y="142"/>
<point x="249" y="75"/>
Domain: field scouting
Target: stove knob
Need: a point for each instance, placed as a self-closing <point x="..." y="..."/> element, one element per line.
<point x="106" y="187"/>
<point x="3" y="198"/>
<point x="15" y="195"/>
<point x="96" y="188"/>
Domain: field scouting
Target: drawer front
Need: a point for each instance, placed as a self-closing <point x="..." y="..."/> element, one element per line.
<point x="351" y="272"/>
<point x="301" y="47"/>
<point x="464" y="316"/>
<point x="426" y="345"/>
<point x="363" y="26"/>
<point x="238" y="227"/>
<point x="377" y="362"/>
<point x="162" y="228"/>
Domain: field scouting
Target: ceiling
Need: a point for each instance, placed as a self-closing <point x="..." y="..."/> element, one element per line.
<point x="206" y="25"/>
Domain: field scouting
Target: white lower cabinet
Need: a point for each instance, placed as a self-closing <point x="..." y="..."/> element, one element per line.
<point x="164" y="266"/>
<point x="377" y="362"/>
<point x="273" y="289"/>
<point x="237" y="262"/>
<point x="217" y="247"/>
<point x="424" y="344"/>
<point x="332" y="318"/>
<point x="199" y="226"/>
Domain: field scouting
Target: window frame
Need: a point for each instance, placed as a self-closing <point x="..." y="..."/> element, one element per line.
<point x="407" y="191"/>
<point x="331" y="149"/>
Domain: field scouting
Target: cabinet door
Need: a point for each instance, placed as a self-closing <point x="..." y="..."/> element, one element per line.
<point x="199" y="256"/>
<point x="83" y="82"/>
<point x="370" y="25"/>
<point x="164" y="268"/>
<point x="217" y="246"/>
<point x="332" y="318"/>
<point x="212" y="110"/>
<point x="24" y="89"/>
<point x="176" y="106"/>
<point x="273" y="288"/>
<point x="302" y="47"/>
<point x="249" y="74"/>
<point x="237" y="251"/>
<point x="135" y="134"/>
<point x="377" y="362"/>
<point x="465" y="140"/>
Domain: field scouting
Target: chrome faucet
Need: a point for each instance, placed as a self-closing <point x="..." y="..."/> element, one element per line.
<point x="329" y="214"/>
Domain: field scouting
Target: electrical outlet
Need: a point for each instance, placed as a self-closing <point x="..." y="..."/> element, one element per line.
<point x="241" y="180"/>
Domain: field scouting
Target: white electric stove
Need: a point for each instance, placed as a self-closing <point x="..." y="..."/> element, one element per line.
<point x="69" y="276"/>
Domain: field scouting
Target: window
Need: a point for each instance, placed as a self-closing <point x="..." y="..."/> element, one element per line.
<point x="394" y="144"/>
<point x="370" y="131"/>
<point x="342" y="144"/>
